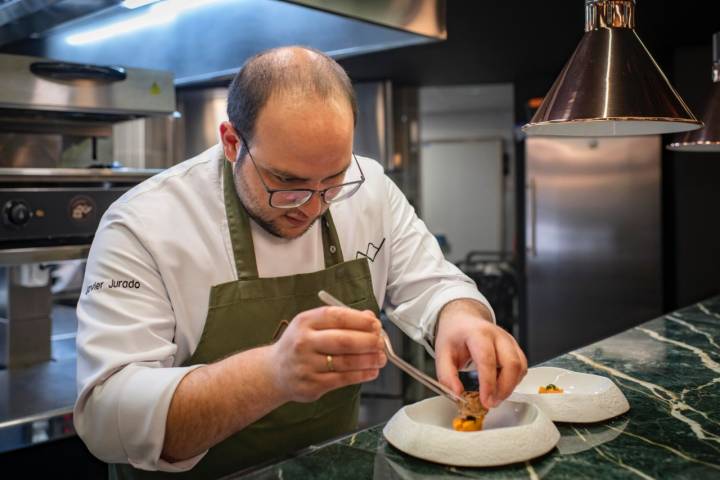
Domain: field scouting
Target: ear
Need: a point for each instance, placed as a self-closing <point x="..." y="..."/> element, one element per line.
<point x="230" y="140"/>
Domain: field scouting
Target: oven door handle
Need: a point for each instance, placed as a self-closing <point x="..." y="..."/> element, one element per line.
<point x="531" y="242"/>
<point x="77" y="71"/>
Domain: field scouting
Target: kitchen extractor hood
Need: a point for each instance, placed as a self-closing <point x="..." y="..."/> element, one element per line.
<point x="21" y="19"/>
<point x="208" y="40"/>
<point x="706" y="139"/>
<point x="611" y="85"/>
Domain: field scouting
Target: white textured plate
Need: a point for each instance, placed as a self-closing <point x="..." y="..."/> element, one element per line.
<point x="587" y="398"/>
<point x="512" y="432"/>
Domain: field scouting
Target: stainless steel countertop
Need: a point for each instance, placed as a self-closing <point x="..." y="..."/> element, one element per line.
<point x="36" y="402"/>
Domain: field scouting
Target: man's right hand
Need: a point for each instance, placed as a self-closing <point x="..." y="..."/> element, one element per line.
<point x="216" y="400"/>
<point x="300" y="356"/>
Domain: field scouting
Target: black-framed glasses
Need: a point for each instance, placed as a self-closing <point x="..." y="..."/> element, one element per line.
<point x="297" y="197"/>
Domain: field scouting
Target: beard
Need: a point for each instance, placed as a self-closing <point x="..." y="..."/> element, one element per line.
<point x="254" y="210"/>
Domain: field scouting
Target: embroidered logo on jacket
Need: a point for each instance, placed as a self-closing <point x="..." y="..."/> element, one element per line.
<point x="95" y="286"/>
<point x="371" y="252"/>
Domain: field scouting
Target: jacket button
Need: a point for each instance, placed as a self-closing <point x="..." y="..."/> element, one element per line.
<point x="333" y="249"/>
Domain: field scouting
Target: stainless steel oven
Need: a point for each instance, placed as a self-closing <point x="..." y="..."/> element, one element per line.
<point x="60" y="169"/>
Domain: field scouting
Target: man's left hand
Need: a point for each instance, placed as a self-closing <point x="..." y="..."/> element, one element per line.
<point x="466" y="332"/>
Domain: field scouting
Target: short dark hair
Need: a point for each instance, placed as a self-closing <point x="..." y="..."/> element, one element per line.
<point x="267" y="72"/>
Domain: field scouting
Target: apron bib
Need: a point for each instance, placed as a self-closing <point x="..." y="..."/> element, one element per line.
<point x="249" y="313"/>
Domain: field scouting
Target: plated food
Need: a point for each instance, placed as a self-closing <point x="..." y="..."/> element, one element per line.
<point x="472" y="414"/>
<point x="583" y="397"/>
<point x="550" y="388"/>
<point x="512" y="432"/>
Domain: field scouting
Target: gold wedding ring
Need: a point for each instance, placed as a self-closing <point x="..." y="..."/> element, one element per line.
<point x="329" y="362"/>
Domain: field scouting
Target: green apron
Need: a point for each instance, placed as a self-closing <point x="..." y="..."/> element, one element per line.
<point x="251" y="312"/>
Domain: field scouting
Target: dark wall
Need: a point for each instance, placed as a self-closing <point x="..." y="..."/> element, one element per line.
<point x="694" y="186"/>
<point x="493" y="41"/>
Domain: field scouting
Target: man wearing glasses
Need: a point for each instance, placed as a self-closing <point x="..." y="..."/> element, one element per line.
<point x="221" y="355"/>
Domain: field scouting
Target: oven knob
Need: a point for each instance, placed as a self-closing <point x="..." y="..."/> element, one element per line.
<point x="17" y="213"/>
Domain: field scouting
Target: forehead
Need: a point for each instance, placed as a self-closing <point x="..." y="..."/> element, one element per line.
<point x="296" y="113"/>
<point x="306" y="128"/>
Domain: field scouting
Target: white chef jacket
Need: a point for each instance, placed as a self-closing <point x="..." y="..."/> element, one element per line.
<point x="162" y="246"/>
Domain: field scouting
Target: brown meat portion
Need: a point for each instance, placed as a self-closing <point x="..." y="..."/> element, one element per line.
<point x="473" y="407"/>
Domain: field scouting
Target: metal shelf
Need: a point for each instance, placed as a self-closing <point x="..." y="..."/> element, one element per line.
<point x="77" y="175"/>
<point x="20" y="256"/>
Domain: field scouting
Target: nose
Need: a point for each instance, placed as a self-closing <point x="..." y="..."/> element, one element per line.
<point x="313" y="207"/>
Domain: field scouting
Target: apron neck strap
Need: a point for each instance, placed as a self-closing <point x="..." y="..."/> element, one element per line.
<point x="331" y="242"/>
<point x="239" y="227"/>
<point x="241" y="236"/>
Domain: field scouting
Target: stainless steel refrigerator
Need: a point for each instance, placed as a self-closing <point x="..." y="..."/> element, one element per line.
<point x="593" y="239"/>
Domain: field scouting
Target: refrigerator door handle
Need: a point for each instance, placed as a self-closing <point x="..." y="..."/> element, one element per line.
<point x="531" y="233"/>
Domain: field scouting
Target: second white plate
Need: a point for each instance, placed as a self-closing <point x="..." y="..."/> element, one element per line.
<point x="587" y="398"/>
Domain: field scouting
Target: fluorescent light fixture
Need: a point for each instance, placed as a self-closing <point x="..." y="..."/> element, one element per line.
<point x="121" y="27"/>
<point x="611" y="85"/>
<point x="162" y="13"/>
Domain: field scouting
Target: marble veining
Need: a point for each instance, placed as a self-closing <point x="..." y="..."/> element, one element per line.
<point x="531" y="471"/>
<point x="669" y="370"/>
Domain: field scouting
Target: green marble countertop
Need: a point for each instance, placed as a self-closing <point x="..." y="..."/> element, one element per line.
<point x="669" y="370"/>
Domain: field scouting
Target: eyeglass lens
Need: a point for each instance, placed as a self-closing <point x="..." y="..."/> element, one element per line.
<point x="295" y="198"/>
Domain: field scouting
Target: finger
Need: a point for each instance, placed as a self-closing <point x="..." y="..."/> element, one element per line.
<point x="523" y="359"/>
<point x="511" y="367"/>
<point x="482" y="351"/>
<point x="351" y="363"/>
<point x="345" y="319"/>
<point x="346" y="342"/>
<point x="447" y="370"/>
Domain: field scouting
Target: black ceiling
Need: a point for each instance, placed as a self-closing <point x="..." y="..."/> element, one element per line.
<point x="508" y="41"/>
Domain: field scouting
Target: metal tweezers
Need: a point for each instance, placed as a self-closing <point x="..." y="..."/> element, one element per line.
<point x="418" y="375"/>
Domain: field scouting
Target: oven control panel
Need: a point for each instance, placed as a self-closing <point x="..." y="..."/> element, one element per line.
<point x="56" y="215"/>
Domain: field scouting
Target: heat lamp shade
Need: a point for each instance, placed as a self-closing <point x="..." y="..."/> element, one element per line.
<point x="611" y="86"/>
<point x="706" y="139"/>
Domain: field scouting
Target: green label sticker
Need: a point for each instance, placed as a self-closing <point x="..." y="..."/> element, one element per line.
<point x="155" y="89"/>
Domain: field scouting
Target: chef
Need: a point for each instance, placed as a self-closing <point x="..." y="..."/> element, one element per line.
<point x="202" y="345"/>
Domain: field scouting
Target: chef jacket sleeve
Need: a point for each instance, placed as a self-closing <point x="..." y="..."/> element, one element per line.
<point x="420" y="280"/>
<point x="125" y="351"/>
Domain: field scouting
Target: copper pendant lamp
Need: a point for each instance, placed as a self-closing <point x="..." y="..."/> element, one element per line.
<point x="611" y="85"/>
<point x="706" y="139"/>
